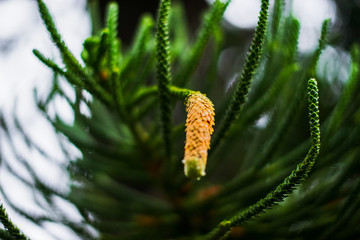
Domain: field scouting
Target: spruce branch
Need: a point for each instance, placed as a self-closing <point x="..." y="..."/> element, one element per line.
<point x="350" y="90"/>
<point x="70" y="61"/>
<point x="244" y="81"/>
<point x="14" y="232"/>
<point x="262" y="104"/>
<point x="322" y="43"/>
<point x="5" y="235"/>
<point x="163" y="72"/>
<point x="176" y="92"/>
<point x="68" y="75"/>
<point x="128" y="185"/>
<point x="112" y="48"/>
<point x="142" y="35"/>
<point x="56" y="37"/>
<point x="93" y="8"/>
<point x="192" y="58"/>
<point x="219" y="43"/>
<point x="179" y="30"/>
<point x="136" y="56"/>
<point x="102" y="49"/>
<point x="291" y="36"/>
<point x="276" y="17"/>
<point x="181" y="93"/>
<point x="290" y="183"/>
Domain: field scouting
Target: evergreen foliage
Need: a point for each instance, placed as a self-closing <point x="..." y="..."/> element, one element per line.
<point x="11" y="231"/>
<point x="290" y="182"/>
<point x="129" y="182"/>
<point x="243" y="83"/>
<point x="163" y="71"/>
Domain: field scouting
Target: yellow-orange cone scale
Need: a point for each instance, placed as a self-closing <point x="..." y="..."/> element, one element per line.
<point x="199" y="127"/>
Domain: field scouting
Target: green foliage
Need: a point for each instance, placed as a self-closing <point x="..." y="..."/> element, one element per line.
<point x="290" y="183"/>
<point x="243" y="83"/>
<point x="129" y="182"/>
<point x="193" y="55"/>
<point x="68" y="58"/>
<point x="163" y="71"/>
<point x="12" y="232"/>
<point x="112" y="48"/>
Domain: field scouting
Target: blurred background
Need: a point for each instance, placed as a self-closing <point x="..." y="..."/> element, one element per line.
<point x="21" y="31"/>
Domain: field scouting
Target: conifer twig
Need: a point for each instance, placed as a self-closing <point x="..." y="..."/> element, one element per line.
<point x="163" y="72"/>
<point x="295" y="178"/>
<point x="244" y="81"/>
<point x="338" y="115"/>
<point x="113" y="52"/>
<point x="135" y="55"/>
<point x="142" y="35"/>
<point x="101" y="50"/>
<point x="70" y="61"/>
<point x="176" y="92"/>
<point x="322" y="43"/>
<point x="14" y="232"/>
<point x="259" y="106"/>
<point x="69" y="76"/>
<point x="211" y="20"/>
<point x="276" y="17"/>
<point x="291" y="36"/>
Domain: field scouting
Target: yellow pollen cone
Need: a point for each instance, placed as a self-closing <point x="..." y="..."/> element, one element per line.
<point x="199" y="127"/>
